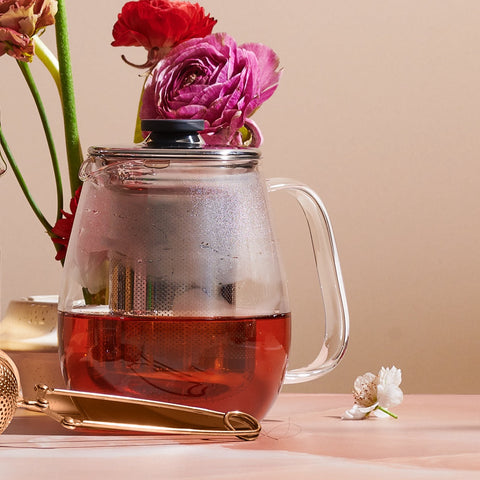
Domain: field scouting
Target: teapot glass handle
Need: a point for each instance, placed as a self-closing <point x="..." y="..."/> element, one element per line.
<point x="329" y="276"/>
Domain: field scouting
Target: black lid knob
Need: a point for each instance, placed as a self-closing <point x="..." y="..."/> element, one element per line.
<point x="166" y="133"/>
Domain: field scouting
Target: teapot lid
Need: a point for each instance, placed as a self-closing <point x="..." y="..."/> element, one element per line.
<point x="175" y="140"/>
<point x="165" y="133"/>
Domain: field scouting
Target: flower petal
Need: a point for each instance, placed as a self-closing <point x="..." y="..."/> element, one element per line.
<point x="365" y="389"/>
<point x="389" y="393"/>
<point x="389" y="396"/>
<point x="391" y="376"/>
<point x="16" y="44"/>
<point x="63" y="227"/>
<point x="357" y="412"/>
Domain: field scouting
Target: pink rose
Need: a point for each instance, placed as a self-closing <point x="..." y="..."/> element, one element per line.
<point x="20" y="20"/>
<point x="215" y="80"/>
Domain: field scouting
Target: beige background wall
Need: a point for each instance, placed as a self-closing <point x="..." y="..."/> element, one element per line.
<point x="378" y="110"/>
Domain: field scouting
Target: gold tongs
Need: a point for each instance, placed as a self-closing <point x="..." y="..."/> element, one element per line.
<point x="73" y="409"/>
<point x="87" y="410"/>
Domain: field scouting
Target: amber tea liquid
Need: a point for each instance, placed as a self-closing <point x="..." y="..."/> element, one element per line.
<point x="217" y="363"/>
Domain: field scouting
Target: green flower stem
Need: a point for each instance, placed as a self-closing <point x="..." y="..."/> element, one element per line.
<point x="384" y="410"/>
<point x="48" y="133"/>
<point x="72" y="140"/>
<point x="138" y="136"/>
<point x="21" y="182"/>
<point x="50" y="61"/>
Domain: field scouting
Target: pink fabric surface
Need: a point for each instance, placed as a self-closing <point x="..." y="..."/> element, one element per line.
<point x="435" y="437"/>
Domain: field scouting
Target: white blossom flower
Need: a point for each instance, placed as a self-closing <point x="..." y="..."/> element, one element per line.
<point x="376" y="394"/>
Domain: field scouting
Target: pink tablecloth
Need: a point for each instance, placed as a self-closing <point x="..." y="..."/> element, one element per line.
<point x="436" y="437"/>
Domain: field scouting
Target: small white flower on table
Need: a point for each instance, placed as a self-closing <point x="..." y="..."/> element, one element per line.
<point x="376" y="394"/>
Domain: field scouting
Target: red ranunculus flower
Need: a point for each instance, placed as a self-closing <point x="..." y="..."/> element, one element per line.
<point x="63" y="227"/>
<point x="159" y="25"/>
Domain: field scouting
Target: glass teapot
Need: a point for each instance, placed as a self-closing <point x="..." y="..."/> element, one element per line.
<point x="173" y="289"/>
